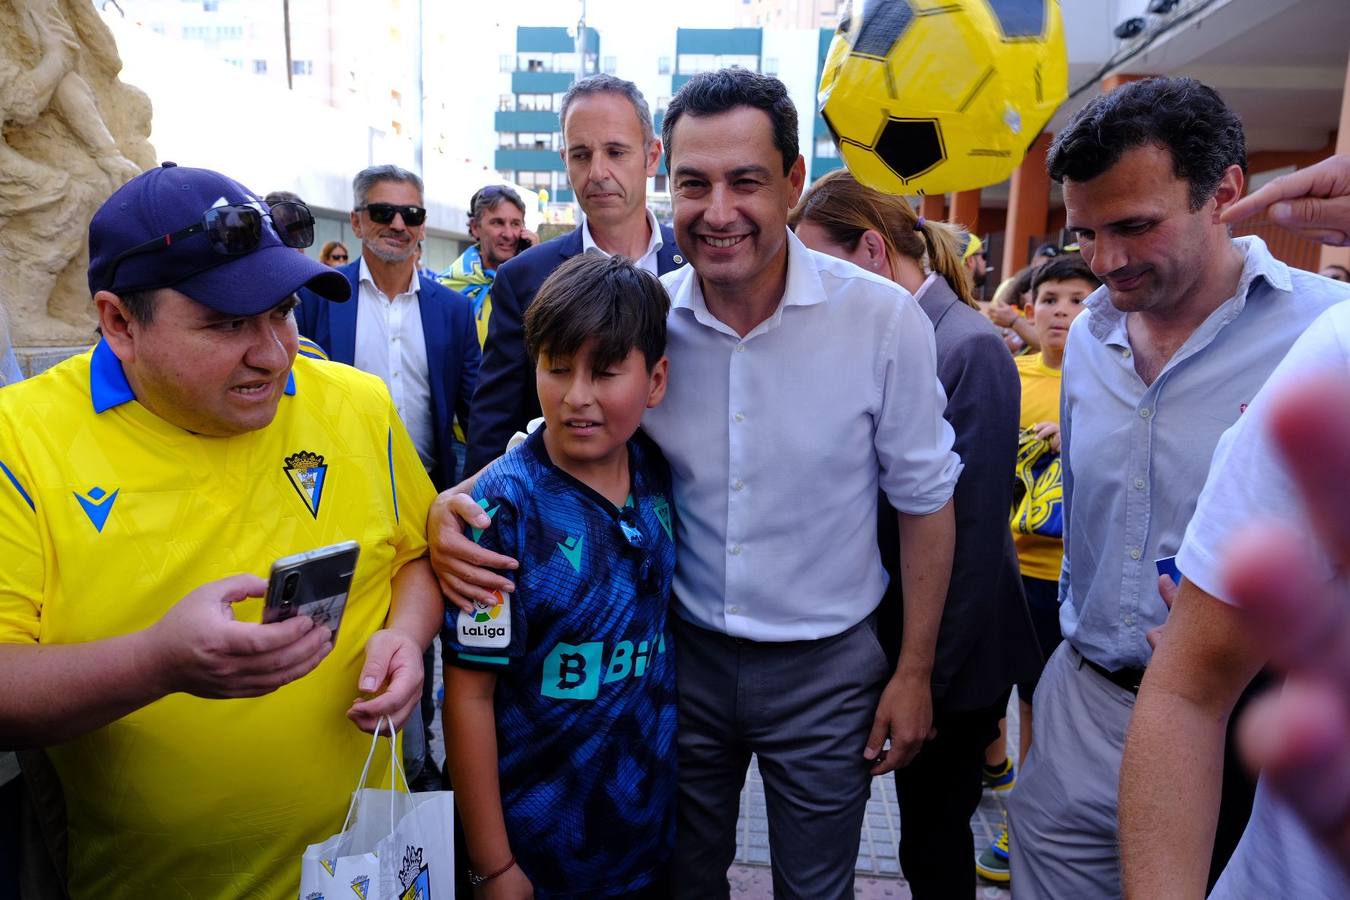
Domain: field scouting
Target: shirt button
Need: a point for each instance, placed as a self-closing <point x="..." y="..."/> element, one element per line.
<point x="737" y="485"/>
<point x="735" y="550"/>
<point x="1128" y="619"/>
<point x="1139" y="483"/>
<point x="740" y="348"/>
<point x="1145" y="413"/>
<point x="1135" y="554"/>
<point x="739" y="417"/>
<point x="734" y="610"/>
<point x="1125" y="353"/>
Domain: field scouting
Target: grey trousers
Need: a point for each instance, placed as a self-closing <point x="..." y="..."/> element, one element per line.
<point x="804" y="708"/>
<point x="1062" y="816"/>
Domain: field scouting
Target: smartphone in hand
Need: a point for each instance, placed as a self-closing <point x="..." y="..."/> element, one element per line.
<point x="314" y="583"/>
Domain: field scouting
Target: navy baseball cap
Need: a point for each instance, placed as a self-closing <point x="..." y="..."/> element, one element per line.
<point x="172" y="197"/>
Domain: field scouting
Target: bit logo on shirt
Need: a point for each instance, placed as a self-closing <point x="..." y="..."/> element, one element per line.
<point x="307" y="471"/>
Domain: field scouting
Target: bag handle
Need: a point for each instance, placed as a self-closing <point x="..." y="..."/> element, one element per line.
<point x="395" y="766"/>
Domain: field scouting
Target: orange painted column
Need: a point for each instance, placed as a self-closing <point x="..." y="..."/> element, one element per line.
<point x="966" y="209"/>
<point x="933" y="207"/>
<point x="1340" y="256"/>
<point x="1028" y="206"/>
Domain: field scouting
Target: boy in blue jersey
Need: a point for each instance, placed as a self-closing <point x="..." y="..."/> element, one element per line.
<point x="560" y="701"/>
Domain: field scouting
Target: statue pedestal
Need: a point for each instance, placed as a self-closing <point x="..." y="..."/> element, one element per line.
<point x="35" y="360"/>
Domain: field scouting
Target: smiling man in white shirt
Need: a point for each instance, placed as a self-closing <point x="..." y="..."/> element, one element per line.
<point x="800" y="386"/>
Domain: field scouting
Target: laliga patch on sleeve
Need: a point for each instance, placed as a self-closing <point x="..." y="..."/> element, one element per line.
<point x="488" y="626"/>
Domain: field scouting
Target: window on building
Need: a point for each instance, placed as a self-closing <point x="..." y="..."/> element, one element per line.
<point x="662" y="103"/>
<point x="507" y="62"/>
<point x="663" y="65"/>
<point x="302" y="67"/>
<point x="504" y="103"/>
<point x="611" y="65"/>
<point x="825" y="149"/>
<point x="537" y="102"/>
<point x="535" y="180"/>
<point x="770" y="65"/>
<point x="210" y="5"/>
<point x="660" y="184"/>
<point x="260" y="67"/>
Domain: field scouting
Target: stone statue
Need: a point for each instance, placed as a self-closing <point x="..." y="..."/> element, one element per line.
<point x="70" y="134"/>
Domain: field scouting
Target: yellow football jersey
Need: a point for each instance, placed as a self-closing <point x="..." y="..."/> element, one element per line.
<point x="108" y="516"/>
<point x="1039" y="556"/>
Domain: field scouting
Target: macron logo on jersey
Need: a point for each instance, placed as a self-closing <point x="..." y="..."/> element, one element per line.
<point x="571" y="550"/>
<point x="97" y="505"/>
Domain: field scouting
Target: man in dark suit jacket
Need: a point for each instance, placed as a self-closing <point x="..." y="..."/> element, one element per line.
<point x="986" y="641"/>
<point x="446" y="317"/>
<point x="610" y="150"/>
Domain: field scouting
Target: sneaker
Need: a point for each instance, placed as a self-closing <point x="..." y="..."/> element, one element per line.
<point x="992" y="863"/>
<point x="1000" y="778"/>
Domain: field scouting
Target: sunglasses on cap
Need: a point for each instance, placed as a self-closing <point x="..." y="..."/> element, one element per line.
<point x="383" y="213"/>
<point x="648" y="578"/>
<point x="234" y="230"/>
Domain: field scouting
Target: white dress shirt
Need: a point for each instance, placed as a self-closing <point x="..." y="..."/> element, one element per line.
<point x="778" y="443"/>
<point x="648" y="260"/>
<point x="1135" y="455"/>
<point x="390" y="344"/>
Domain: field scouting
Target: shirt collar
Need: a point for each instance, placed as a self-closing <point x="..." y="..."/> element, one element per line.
<point x="654" y="244"/>
<point x="108" y="385"/>
<point x="366" y="278"/>
<point x="1107" y="324"/>
<point x="803" y="289"/>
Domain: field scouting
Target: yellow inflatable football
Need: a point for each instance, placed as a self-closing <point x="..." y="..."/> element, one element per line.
<point x="935" y="96"/>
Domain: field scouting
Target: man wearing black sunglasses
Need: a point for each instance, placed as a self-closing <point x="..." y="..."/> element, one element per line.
<point x="144" y="487"/>
<point x="417" y="335"/>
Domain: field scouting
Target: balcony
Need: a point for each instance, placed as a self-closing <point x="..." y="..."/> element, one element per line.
<point x="541" y="82"/>
<point x="534" y="121"/>
<point x="544" y="40"/>
<point x="719" y="41"/>
<point x="507" y="160"/>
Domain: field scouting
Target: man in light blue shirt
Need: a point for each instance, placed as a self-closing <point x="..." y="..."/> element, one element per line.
<point x="1186" y="328"/>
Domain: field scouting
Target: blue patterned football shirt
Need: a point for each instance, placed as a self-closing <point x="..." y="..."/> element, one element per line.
<point x="585" y="665"/>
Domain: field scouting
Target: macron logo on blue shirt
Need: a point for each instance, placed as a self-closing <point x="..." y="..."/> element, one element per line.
<point x="97" y="504"/>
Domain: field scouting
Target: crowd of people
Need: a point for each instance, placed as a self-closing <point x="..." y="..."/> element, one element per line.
<point x="772" y="481"/>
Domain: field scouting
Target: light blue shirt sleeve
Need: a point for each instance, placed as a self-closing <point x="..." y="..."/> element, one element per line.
<point x="9" y="368"/>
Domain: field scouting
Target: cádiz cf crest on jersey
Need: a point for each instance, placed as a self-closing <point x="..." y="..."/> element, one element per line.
<point x="307" y="471"/>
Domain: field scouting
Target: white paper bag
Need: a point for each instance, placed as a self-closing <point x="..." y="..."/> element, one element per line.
<point x="393" y="845"/>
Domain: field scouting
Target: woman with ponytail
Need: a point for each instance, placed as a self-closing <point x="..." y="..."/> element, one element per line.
<point x="986" y="642"/>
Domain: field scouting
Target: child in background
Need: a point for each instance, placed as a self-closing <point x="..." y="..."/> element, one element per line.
<point x="1059" y="288"/>
<point x="560" y="701"/>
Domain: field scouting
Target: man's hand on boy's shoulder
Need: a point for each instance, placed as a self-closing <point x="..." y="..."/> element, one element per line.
<point x="464" y="569"/>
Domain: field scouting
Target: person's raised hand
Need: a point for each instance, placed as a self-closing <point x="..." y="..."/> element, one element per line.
<point x="463" y="568"/>
<point x="1313" y="202"/>
<point x="391" y="678"/>
<point x="1299" y="737"/>
<point x="201" y="649"/>
<point x="1003" y="315"/>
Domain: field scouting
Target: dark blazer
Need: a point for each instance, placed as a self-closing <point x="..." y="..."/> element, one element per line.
<point x="986" y="641"/>
<point x="505" y="399"/>
<point x="452" y="352"/>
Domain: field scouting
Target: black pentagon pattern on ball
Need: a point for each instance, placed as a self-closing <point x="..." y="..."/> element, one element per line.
<point x="1019" y="18"/>
<point x="910" y="147"/>
<point x="884" y="23"/>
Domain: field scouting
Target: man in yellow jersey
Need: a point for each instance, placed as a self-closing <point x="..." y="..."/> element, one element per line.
<point x="145" y="488"/>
